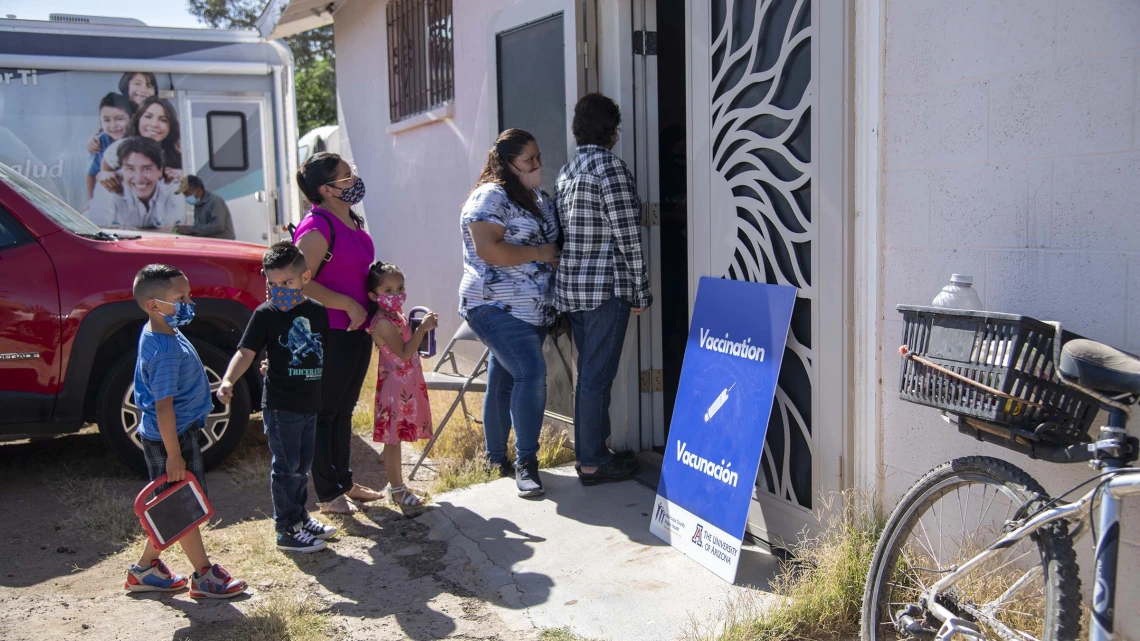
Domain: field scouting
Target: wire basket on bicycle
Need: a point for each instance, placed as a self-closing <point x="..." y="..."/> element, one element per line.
<point x="997" y="368"/>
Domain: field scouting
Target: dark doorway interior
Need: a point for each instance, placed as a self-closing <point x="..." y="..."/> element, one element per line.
<point x="673" y="164"/>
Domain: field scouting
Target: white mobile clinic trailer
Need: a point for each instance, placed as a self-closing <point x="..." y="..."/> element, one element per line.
<point x="227" y="106"/>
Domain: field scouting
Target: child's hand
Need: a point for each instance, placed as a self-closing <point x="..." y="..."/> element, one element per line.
<point x="110" y="181"/>
<point x="431" y="321"/>
<point x="226" y="392"/>
<point x="175" y="467"/>
<point x="265" y="367"/>
<point x="93" y="146"/>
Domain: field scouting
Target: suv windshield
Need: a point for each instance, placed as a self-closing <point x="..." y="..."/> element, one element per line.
<point x="46" y="202"/>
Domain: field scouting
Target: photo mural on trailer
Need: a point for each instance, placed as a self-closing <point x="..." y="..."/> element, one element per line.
<point x="107" y="144"/>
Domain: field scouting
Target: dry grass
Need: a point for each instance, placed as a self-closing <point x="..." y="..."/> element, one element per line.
<point x="561" y="634"/>
<point x="286" y="618"/>
<point x="456" y="474"/>
<point x="251" y="546"/>
<point x="987" y="583"/>
<point x="250" y="464"/>
<point x="96" y="510"/>
<point x="821" y="591"/>
<point x="459" y="451"/>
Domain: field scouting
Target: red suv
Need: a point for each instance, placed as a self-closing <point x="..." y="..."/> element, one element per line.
<point x="69" y="326"/>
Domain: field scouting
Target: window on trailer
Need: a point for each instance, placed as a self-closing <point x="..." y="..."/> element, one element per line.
<point x="225" y="131"/>
<point x="421" y="63"/>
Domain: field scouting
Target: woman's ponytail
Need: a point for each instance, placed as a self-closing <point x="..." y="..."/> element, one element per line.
<point x="318" y="170"/>
<point x="314" y="198"/>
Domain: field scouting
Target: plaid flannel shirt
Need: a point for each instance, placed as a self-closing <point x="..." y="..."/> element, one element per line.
<point x="601" y="227"/>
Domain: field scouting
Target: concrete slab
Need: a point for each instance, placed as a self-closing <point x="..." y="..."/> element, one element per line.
<point x="584" y="558"/>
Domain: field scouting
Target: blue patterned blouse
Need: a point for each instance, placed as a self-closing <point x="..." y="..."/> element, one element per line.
<point x="525" y="291"/>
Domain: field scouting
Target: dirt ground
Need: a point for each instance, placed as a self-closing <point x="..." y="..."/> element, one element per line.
<point x="69" y="535"/>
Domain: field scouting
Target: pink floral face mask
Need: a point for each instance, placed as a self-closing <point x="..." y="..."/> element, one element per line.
<point x="392" y="303"/>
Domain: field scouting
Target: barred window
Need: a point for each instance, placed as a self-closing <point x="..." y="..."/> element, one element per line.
<point x="421" y="62"/>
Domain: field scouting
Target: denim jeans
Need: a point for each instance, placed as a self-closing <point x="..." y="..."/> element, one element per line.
<point x="599" y="335"/>
<point x="516" y="382"/>
<point x="292" y="438"/>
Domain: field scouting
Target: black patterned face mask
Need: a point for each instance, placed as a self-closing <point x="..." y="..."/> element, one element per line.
<point x="353" y="194"/>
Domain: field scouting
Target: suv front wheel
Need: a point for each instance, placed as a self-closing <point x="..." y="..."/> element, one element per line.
<point x="120" y="417"/>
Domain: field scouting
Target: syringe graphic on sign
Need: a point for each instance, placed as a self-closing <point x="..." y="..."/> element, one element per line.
<point x="716" y="405"/>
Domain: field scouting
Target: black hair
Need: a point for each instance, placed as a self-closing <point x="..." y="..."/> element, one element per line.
<point x="144" y="146"/>
<point x="319" y="170"/>
<point x="283" y="255"/>
<point x="596" y="119"/>
<point x="153" y="281"/>
<point x="195" y="182"/>
<point x="170" y="147"/>
<point x="379" y="271"/>
<point x="508" y="146"/>
<point x="125" y="84"/>
<point x="117" y="101"/>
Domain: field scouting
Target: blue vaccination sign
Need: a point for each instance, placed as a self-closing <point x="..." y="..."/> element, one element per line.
<point x="716" y="438"/>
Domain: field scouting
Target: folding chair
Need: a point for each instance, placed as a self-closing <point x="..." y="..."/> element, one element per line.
<point x="455" y="381"/>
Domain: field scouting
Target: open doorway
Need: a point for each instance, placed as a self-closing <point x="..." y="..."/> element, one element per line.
<point x="673" y="171"/>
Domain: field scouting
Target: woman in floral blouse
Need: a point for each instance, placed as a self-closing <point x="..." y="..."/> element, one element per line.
<point x="510" y="235"/>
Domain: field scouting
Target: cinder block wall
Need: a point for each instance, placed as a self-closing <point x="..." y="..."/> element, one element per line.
<point x="1012" y="153"/>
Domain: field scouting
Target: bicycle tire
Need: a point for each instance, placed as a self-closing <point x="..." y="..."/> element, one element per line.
<point x="1061" y="583"/>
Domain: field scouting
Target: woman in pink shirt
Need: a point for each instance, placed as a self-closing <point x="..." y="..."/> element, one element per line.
<point x="339" y="255"/>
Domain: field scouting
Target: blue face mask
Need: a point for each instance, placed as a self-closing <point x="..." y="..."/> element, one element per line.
<point x="284" y="298"/>
<point x="183" y="314"/>
<point x="193" y="200"/>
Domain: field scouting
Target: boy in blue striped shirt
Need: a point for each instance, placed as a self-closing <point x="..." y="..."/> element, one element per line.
<point x="172" y="391"/>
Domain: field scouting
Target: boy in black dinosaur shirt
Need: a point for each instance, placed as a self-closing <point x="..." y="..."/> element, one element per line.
<point x="293" y="330"/>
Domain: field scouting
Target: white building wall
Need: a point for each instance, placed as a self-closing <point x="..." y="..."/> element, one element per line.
<point x="417" y="179"/>
<point x="1011" y="152"/>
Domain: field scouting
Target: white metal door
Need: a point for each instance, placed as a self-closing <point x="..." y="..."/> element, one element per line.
<point x="231" y="150"/>
<point x="768" y="169"/>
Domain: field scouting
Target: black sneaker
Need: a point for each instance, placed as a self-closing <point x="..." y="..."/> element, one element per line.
<point x="317" y="529"/>
<point x="615" y="470"/>
<point x="527" y="480"/>
<point x="620" y="455"/>
<point x="506" y="468"/>
<point x="299" y="540"/>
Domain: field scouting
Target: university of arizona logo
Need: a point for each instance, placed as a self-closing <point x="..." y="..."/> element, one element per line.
<point x="699" y="535"/>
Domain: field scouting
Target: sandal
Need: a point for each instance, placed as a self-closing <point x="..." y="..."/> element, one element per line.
<point x="363" y="494"/>
<point x="339" y="505"/>
<point x="408" y="499"/>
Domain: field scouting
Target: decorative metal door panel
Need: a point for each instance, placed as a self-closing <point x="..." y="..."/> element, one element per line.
<point x="772" y="136"/>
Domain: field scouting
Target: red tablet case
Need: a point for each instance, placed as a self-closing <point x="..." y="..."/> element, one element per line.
<point x="142" y="505"/>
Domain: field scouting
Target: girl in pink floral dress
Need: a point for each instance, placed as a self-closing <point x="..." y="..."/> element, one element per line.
<point x="403" y="412"/>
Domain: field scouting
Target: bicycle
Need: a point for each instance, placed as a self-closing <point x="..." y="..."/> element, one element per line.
<point x="1000" y="562"/>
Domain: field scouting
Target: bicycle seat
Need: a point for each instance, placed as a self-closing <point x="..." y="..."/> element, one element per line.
<point x="1100" y="367"/>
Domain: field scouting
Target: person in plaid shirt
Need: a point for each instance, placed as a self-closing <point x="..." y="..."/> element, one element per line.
<point x="601" y="278"/>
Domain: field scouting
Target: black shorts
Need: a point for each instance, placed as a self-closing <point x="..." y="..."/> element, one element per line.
<point x="155" y="454"/>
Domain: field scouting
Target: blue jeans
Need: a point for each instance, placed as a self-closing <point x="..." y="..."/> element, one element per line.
<point x="599" y="335"/>
<point x="516" y="382"/>
<point x="292" y="439"/>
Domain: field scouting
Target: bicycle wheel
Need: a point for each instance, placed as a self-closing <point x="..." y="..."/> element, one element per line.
<point x="1029" y="590"/>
